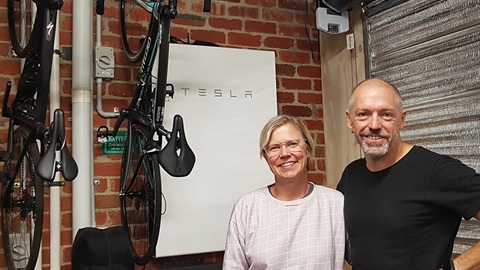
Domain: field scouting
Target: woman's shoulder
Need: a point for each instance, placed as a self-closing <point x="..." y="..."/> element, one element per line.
<point x="251" y="196"/>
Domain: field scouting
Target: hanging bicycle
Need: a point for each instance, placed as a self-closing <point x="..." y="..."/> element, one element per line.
<point x="32" y="147"/>
<point x="141" y="188"/>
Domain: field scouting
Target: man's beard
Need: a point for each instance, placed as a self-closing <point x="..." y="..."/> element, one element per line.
<point x="375" y="150"/>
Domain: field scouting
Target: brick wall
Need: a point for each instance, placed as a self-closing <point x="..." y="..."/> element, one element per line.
<point x="278" y="25"/>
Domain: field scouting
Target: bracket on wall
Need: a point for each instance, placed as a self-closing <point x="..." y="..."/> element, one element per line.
<point x="207" y="5"/>
<point x="65" y="53"/>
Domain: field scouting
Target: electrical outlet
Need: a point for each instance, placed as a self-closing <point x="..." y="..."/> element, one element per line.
<point x="104" y="62"/>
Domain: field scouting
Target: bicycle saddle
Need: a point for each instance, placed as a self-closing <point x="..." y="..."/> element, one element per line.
<point x="177" y="158"/>
<point x="47" y="166"/>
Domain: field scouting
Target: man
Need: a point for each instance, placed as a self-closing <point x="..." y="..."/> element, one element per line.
<point x="403" y="203"/>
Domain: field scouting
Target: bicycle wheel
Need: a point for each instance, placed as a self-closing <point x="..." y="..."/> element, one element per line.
<point x="140" y="193"/>
<point x="134" y="27"/>
<point x="22" y="207"/>
<point x="20" y="25"/>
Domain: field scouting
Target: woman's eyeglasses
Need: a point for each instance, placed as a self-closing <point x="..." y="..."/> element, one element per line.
<point x="276" y="149"/>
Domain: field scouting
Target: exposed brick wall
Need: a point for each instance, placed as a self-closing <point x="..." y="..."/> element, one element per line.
<point x="277" y="25"/>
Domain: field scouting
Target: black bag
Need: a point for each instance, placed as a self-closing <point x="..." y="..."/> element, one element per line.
<point x="102" y="249"/>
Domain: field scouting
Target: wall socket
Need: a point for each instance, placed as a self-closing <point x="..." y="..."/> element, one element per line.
<point x="104" y="62"/>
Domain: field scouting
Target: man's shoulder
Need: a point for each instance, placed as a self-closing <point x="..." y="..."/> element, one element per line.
<point x="356" y="164"/>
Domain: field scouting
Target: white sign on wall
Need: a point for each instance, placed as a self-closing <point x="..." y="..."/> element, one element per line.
<point x="225" y="97"/>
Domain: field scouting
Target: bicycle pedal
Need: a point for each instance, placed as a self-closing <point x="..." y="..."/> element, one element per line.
<point x="103" y="134"/>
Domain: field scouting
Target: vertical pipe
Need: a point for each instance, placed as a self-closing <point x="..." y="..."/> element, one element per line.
<point x="82" y="117"/>
<point x="55" y="190"/>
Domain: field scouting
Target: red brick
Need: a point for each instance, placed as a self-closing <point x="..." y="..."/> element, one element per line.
<point x="285" y="70"/>
<point x="279" y="42"/>
<point x="243" y="12"/>
<point x="314" y="124"/>
<point x="277" y="15"/>
<point x="107" y="201"/>
<point x="285" y="97"/>
<point x="10" y="67"/>
<point x="294" y="57"/>
<point x="244" y="39"/>
<point x="260" y="27"/>
<point x="292" y="31"/>
<point x="297" y="84"/>
<point x="317" y="178"/>
<point x="299" y="111"/>
<point x="294" y="5"/>
<point x="317" y="85"/>
<point x="309" y="71"/>
<point x="309" y="98"/>
<point x="179" y="31"/>
<point x="216" y="37"/>
<point x="308" y="45"/>
<point x="217" y="9"/>
<point x="261" y="3"/>
<point x="190" y="20"/>
<point x="229" y="24"/>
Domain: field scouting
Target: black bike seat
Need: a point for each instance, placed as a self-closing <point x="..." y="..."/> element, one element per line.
<point x="177" y="158"/>
<point x="48" y="165"/>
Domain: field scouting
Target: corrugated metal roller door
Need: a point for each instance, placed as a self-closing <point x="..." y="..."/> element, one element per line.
<point x="431" y="51"/>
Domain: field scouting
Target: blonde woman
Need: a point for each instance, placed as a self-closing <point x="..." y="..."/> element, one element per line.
<point x="292" y="223"/>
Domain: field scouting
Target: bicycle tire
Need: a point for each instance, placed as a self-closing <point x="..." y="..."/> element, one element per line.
<point x="22" y="208"/>
<point x="134" y="28"/>
<point x="21" y="44"/>
<point x="140" y="195"/>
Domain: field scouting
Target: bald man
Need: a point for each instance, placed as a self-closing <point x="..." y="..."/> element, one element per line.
<point x="403" y="203"/>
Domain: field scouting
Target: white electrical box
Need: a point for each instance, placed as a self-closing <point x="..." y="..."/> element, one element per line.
<point x="330" y="21"/>
<point x="225" y="96"/>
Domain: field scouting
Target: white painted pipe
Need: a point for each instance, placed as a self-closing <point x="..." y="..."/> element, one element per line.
<point x="55" y="190"/>
<point x="82" y="116"/>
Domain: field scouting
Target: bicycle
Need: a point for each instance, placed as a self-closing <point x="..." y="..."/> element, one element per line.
<point x="32" y="147"/>
<point x="140" y="187"/>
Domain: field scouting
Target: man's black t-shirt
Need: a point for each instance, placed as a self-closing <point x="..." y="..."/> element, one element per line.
<point x="403" y="217"/>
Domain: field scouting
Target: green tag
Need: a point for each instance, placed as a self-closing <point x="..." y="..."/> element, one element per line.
<point x="115" y="145"/>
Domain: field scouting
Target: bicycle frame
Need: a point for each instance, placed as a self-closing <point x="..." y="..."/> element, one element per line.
<point x="157" y="38"/>
<point x="36" y="80"/>
<point x="30" y="104"/>
<point x="154" y="38"/>
<point x="28" y="137"/>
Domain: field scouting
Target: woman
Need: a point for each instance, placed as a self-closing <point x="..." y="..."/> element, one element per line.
<point x="293" y="223"/>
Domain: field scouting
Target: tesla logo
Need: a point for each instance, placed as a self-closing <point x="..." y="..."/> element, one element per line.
<point x="218" y="93"/>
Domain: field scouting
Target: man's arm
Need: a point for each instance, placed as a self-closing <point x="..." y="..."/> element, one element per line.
<point x="470" y="259"/>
